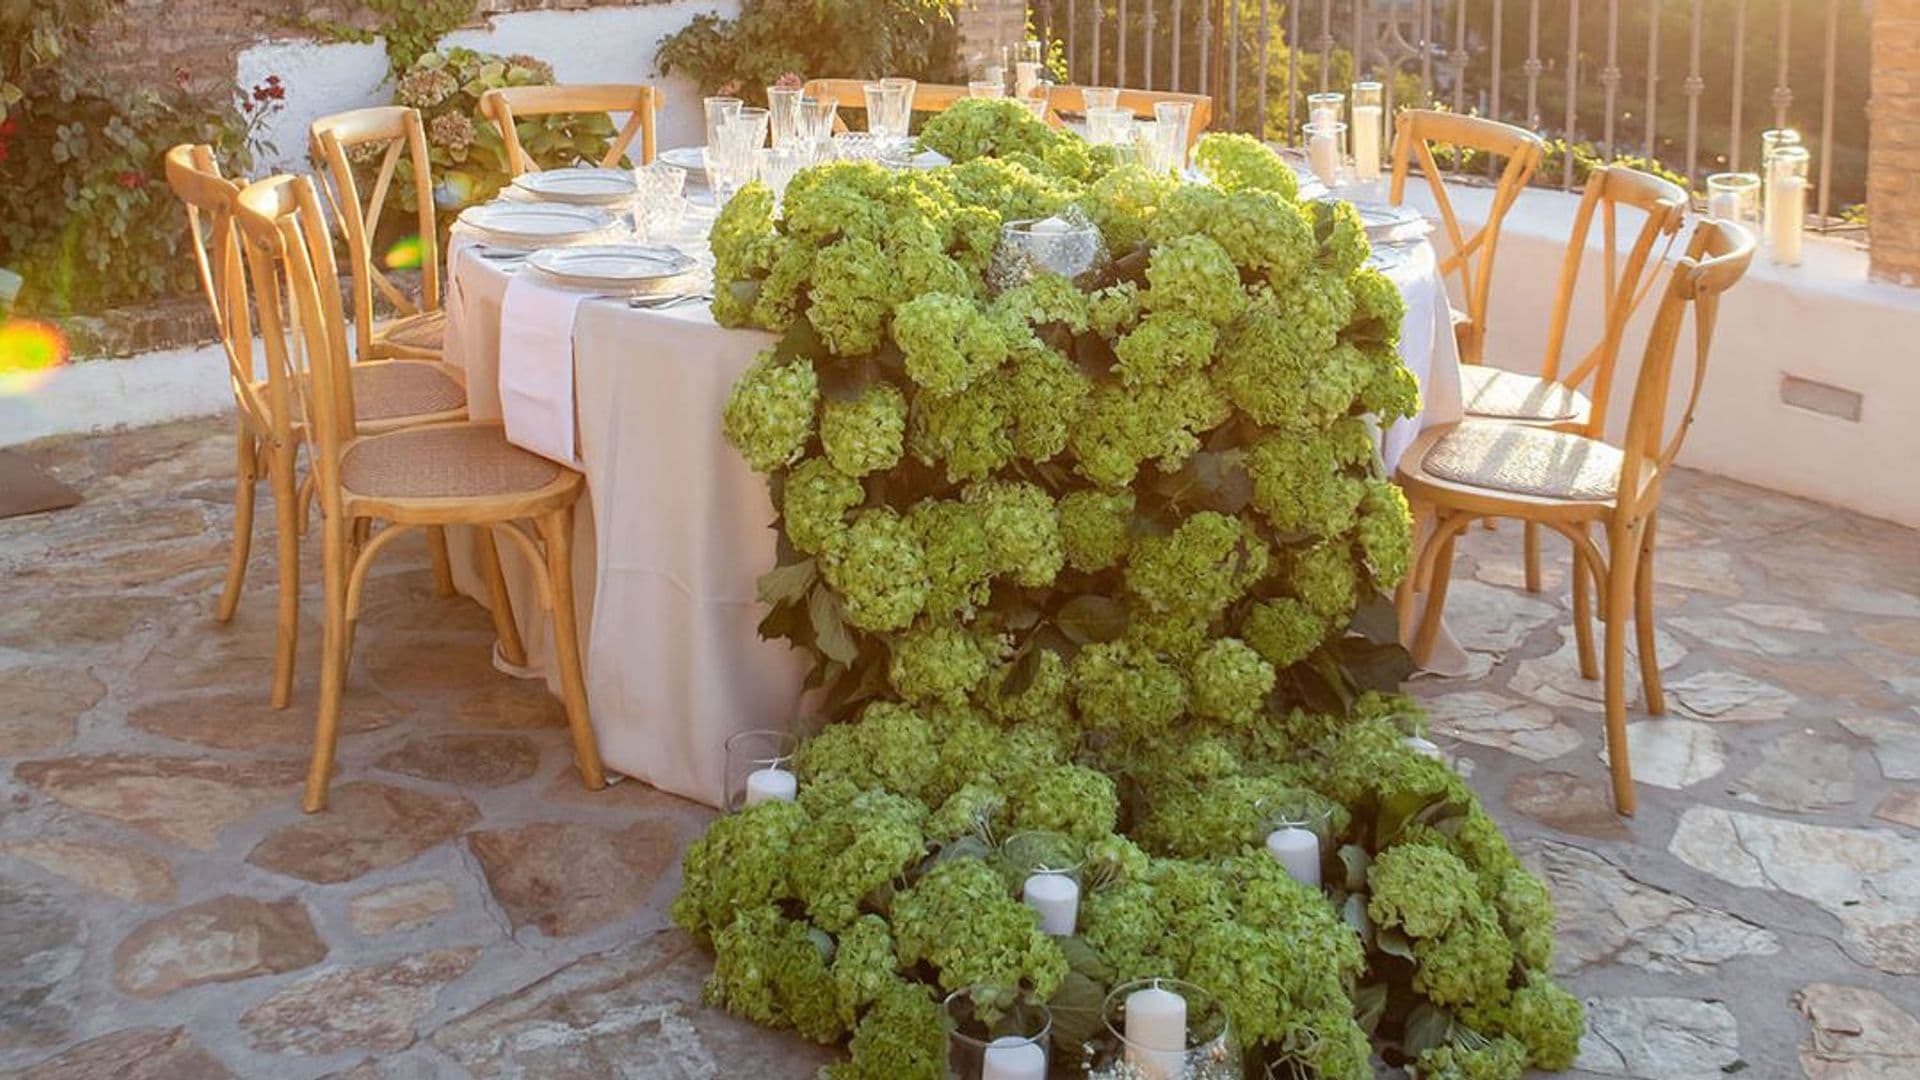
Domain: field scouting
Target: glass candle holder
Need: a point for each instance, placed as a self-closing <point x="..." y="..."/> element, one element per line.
<point x="1771" y="140"/>
<point x="1175" y="120"/>
<point x="1327" y="107"/>
<point x="1324" y="140"/>
<point x="1367" y="129"/>
<point x="1787" y="203"/>
<point x="1100" y="97"/>
<point x="1734" y="197"/>
<point x="760" y="768"/>
<point x="1298" y="834"/>
<point x="1037" y="98"/>
<point x="996" y="1034"/>
<point x="1026" y="74"/>
<point x="1165" y="1029"/>
<point x="1044" y="868"/>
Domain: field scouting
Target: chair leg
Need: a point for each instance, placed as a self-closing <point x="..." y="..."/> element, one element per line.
<point x="557" y="529"/>
<point x="506" y="629"/>
<point x="442" y="565"/>
<point x="1531" y="542"/>
<point x="1583" y="581"/>
<point x="1643" y="623"/>
<point x="246" y="480"/>
<point x="1619" y="604"/>
<point x="1436" y="599"/>
<point x="286" y="509"/>
<point x="333" y="661"/>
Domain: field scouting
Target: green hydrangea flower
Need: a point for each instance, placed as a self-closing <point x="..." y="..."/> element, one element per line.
<point x="1236" y="162"/>
<point x="1095" y="528"/>
<point x="1470" y="962"/>
<point x="1123" y="202"/>
<point x="744" y="244"/>
<point x="1283" y="631"/>
<point x="863" y="965"/>
<point x="1119" y="687"/>
<point x="1341" y="234"/>
<point x="771" y="970"/>
<point x="1378" y="307"/>
<point x="851" y="299"/>
<point x="1299" y="486"/>
<point x="1195" y="276"/>
<point x="1205" y="564"/>
<point x="1324" y="577"/>
<point x="961" y="919"/>
<point x="769" y="412"/>
<point x="740" y="863"/>
<point x="816" y="499"/>
<point x="879" y="569"/>
<point x="958" y="559"/>
<point x="841" y="856"/>
<point x="1386" y="533"/>
<point x="865" y="434"/>
<point x="973" y="810"/>
<point x="892" y="747"/>
<point x="1045" y="395"/>
<point x="902" y="1035"/>
<point x="1164" y="344"/>
<point x="949" y="341"/>
<point x="1069" y="799"/>
<point x="988" y="127"/>
<point x="971" y="433"/>
<point x="1548" y="1021"/>
<point x="1497" y="1059"/>
<point x="1114" y="310"/>
<point x="1263" y="234"/>
<point x="1421" y="889"/>
<point x="1230" y="682"/>
<point x="1047" y="298"/>
<point x="1023" y="529"/>
<point x="937" y="662"/>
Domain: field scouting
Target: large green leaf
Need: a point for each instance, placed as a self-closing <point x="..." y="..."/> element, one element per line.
<point x="787" y="584"/>
<point x="1088" y="619"/>
<point x="1078" y="1014"/>
<point x="830" y="631"/>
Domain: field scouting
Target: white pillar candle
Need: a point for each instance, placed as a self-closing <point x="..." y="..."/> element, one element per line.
<point x="1787" y="205"/>
<point x="1011" y="1057"/>
<point x="1323" y="153"/>
<point x="1323" y="115"/>
<point x="1724" y="205"/>
<point x="1056" y="897"/>
<point x="1424" y="748"/>
<point x="1026" y="76"/>
<point x="1157" y="1032"/>
<point x="1366" y="142"/>
<point x="772" y="783"/>
<point x="1299" y="851"/>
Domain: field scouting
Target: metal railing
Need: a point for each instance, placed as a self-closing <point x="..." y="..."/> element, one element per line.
<point x="1566" y="68"/>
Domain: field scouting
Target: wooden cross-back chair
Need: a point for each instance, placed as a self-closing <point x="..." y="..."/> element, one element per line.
<point x="452" y="473"/>
<point x="1470" y="258"/>
<point x="1477" y="469"/>
<point x="1071" y="100"/>
<point x="390" y="394"/>
<point x="852" y="94"/>
<point x="506" y="105"/>
<point x="398" y="134"/>
<point x="1554" y="398"/>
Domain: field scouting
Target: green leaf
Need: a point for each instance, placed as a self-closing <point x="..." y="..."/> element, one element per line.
<point x="1354" y="911"/>
<point x="1357" y="861"/>
<point x="1088" y="619"/>
<point x="1082" y="958"/>
<point x="1428" y="1026"/>
<point x="800" y="340"/>
<point x="1369" y="1005"/>
<point x="1020" y="676"/>
<point x="830" y="631"/>
<point x="1392" y="941"/>
<point x="1377" y="620"/>
<point x="1078" y="1014"/>
<point x="1374" y="667"/>
<point x="787" y="584"/>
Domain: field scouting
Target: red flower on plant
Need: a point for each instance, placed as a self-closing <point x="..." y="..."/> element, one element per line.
<point x="131" y="179"/>
<point x="9" y="126"/>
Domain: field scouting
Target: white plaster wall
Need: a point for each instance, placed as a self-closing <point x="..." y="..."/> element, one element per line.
<point x="603" y="44"/>
<point x="107" y="394"/>
<point x="1823" y="320"/>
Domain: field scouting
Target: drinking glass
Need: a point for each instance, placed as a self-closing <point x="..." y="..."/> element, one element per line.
<point x="888" y="109"/>
<point x="1146" y="145"/>
<point x="1326" y="107"/>
<point x="1734" y="197"/>
<point x="751" y="753"/>
<point x="1175" y="120"/>
<point x="1037" y="97"/>
<point x="1787" y="203"/>
<point x="1100" y="97"/>
<point x="717" y="110"/>
<point x="731" y="160"/>
<point x="777" y="165"/>
<point x="1109" y="125"/>
<point x="986" y="88"/>
<point x="783" y="113"/>
<point x="994" y="1033"/>
<point x="657" y="185"/>
<point x="1368" y="129"/>
<point x="817" y="118"/>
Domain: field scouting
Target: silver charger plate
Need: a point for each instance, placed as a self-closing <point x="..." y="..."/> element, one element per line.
<point x="535" y="224"/>
<point x="621" y="268"/>
<point x="587" y="187"/>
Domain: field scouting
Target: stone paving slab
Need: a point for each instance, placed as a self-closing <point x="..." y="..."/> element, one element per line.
<point x="467" y="909"/>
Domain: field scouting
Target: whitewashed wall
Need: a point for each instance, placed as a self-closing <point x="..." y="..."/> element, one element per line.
<point x="603" y="44"/>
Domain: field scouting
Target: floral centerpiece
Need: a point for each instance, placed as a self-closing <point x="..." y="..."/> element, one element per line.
<point x="1106" y="563"/>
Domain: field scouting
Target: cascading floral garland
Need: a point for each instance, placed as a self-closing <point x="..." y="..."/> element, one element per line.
<point x="1105" y="563"/>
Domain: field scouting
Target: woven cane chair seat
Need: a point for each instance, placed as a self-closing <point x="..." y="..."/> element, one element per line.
<point x="456" y="461"/>
<point x="1525" y="461"/>
<point x="425" y="332"/>
<point x="1509" y="395"/>
<point x="390" y="389"/>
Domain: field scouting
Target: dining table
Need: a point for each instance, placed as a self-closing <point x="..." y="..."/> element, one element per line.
<point x="675" y="529"/>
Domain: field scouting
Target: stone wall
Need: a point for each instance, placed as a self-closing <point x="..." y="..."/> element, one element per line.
<point x="1893" y="154"/>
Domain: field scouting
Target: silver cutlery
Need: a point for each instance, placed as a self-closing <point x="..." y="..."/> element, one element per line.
<point x="659" y="303"/>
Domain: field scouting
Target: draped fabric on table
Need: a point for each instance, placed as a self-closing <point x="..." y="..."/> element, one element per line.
<point x="676" y="532"/>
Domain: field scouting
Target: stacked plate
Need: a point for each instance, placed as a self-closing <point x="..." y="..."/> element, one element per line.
<point x="533" y="225"/>
<point x="625" y="269"/>
<point x="1387" y="224"/>
<point x="690" y="158"/>
<point x="581" y="187"/>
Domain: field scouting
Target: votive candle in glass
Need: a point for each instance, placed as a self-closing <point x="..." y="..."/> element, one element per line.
<point x="1296" y="835"/>
<point x="1734" y="197"/>
<point x="1367" y="129"/>
<point x="1328" y="107"/>
<point x="1323" y="150"/>
<point x="1156" y="1031"/>
<point x="994" y="1033"/>
<point x="1426" y="748"/>
<point x="1787" y="203"/>
<point x="759" y="768"/>
<point x="1026" y="75"/>
<point x="1771" y="140"/>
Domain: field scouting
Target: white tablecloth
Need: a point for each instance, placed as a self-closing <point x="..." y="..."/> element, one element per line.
<point x="673" y="532"/>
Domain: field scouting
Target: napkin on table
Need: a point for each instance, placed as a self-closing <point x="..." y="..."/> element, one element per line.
<point x="536" y="367"/>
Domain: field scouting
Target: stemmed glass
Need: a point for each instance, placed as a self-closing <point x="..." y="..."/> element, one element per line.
<point x="817" y="118"/>
<point x="718" y="111"/>
<point x="731" y="159"/>
<point x="783" y="111"/>
<point x="1175" y="119"/>
<point x="890" y="108"/>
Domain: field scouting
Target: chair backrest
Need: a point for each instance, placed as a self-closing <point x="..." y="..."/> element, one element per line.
<point x="398" y="134"/>
<point x="1072" y="100"/>
<point x="302" y="321"/>
<point x="504" y="105"/>
<point x="1469" y="257"/>
<point x="1626" y="282"/>
<point x="1718" y="254"/>
<point x="210" y="202"/>
<point x="852" y="94"/>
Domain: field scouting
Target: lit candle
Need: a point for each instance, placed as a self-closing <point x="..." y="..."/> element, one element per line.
<point x="1323" y="152"/>
<point x="771" y="783"/>
<point x="1056" y="897"/>
<point x="1787" y="202"/>
<point x="1011" y="1057"/>
<point x="1366" y="141"/>
<point x="1299" y="851"/>
<point x="1424" y="748"/>
<point x="1157" y="1032"/>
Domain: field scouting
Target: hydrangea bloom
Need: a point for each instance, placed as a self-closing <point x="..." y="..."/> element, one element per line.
<point x="1045" y="393"/>
<point x="958" y="559"/>
<point x="1386" y="533"/>
<point x="1341" y="233"/>
<point x="741" y="862"/>
<point x="937" y="662"/>
<point x="865" y="434"/>
<point x="960" y="919"/>
<point x="1230" y="681"/>
<point x="844" y="854"/>
<point x="1120" y="687"/>
<point x="770" y="969"/>
<point x="1112" y="311"/>
<point x="1095" y="527"/>
<point x="988" y="127"/>
<point x="1048" y="298"/>
<point x="1069" y="799"/>
<point x="879" y="569"/>
<point x="1200" y="568"/>
<point x="1324" y="577"/>
<point x="1236" y="162"/>
<point x="1122" y="203"/>
<point x="948" y="341"/>
<point x="971" y="433"/>
<point x="1023" y="529"/>
<point x="769" y="413"/>
<point x="1300" y="487"/>
<point x="854" y="288"/>
<point x="1262" y="233"/>
<point x="1283" y="631"/>
<point x="817" y="498"/>
<point x="1194" y="275"/>
<point x="1164" y="344"/>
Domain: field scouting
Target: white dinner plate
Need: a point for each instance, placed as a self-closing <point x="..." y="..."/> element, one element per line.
<point x="535" y="224"/>
<point x="624" y="268"/>
<point x="1382" y="218"/>
<point x="588" y="187"/>
<point x="1386" y="257"/>
<point x="689" y="158"/>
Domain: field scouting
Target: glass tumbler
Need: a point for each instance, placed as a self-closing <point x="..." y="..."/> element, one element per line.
<point x="759" y="768"/>
<point x="1367" y="129"/>
<point x="995" y="1033"/>
<point x="1100" y="97"/>
<point x="1734" y="197"/>
<point x="1771" y="141"/>
<point x="1175" y="120"/>
<point x="783" y="114"/>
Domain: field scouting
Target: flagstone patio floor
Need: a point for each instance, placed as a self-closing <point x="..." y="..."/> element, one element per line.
<point x="466" y="908"/>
